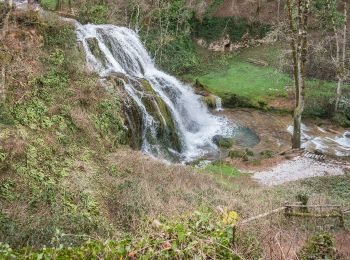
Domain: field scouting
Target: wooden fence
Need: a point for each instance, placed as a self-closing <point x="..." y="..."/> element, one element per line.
<point x="299" y="210"/>
<point x="305" y="211"/>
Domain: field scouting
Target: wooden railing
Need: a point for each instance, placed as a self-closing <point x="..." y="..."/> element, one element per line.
<point x="307" y="211"/>
<point x="299" y="210"/>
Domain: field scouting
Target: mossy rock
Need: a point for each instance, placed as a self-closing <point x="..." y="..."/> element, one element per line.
<point x="158" y="109"/>
<point x="134" y="122"/>
<point x="231" y="100"/>
<point x="147" y="86"/>
<point x="95" y="49"/>
<point x="210" y="101"/>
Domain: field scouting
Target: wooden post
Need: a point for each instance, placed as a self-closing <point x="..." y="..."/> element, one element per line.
<point x="287" y="209"/>
<point x="341" y="218"/>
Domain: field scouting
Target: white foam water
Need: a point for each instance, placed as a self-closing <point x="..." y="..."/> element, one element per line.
<point x="218" y="105"/>
<point x="338" y="145"/>
<point x="123" y="52"/>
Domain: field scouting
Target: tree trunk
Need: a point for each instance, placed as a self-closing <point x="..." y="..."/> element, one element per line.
<point x="296" y="139"/>
<point x="338" y="94"/>
<point x="298" y="28"/>
<point x="9" y="5"/>
<point x="340" y="63"/>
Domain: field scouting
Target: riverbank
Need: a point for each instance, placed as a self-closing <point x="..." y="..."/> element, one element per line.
<point x="272" y="162"/>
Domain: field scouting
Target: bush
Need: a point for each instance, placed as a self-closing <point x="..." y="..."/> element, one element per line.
<point x="58" y="35"/>
<point x="5" y="115"/>
<point x="267" y="154"/>
<point x="238" y="154"/>
<point x="49" y="4"/>
<point x="96" y="14"/>
<point x="108" y="122"/>
<point x="32" y="113"/>
<point x="213" y="28"/>
<point x="202" y="234"/>
<point x="177" y="55"/>
<point x="320" y="246"/>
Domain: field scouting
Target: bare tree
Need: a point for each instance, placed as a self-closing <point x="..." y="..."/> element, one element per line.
<point x="340" y="42"/>
<point x="298" y="14"/>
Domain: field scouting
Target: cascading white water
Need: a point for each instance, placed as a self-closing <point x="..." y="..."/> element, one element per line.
<point x="122" y="52"/>
<point x="218" y="104"/>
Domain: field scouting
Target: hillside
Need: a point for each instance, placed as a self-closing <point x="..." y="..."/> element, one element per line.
<point x="76" y="180"/>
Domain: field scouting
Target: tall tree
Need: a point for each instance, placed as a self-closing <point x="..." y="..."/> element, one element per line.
<point x="340" y="32"/>
<point x="298" y="16"/>
<point x="334" y="26"/>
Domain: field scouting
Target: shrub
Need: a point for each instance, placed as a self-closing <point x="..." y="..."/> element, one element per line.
<point x="31" y="113"/>
<point x="238" y="154"/>
<point x="5" y="115"/>
<point x="49" y="4"/>
<point x="267" y="154"/>
<point x="213" y="28"/>
<point x="303" y="198"/>
<point x="320" y="246"/>
<point x="202" y="234"/>
<point x="108" y="122"/>
<point x="96" y="14"/>
<point x="58" y="35"/>
<point x="6" y="189"/>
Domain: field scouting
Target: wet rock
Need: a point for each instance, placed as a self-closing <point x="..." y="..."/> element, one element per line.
<point x="133" y="121"/>
<point x="230" y="100"/>
<point x="94" y="47"/>
<point x="347" y="134"/>
<point x="210" y="101"/>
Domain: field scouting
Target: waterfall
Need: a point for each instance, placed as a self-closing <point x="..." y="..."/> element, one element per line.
<point x="175" y="122"/>
<point x="218" y="104"/>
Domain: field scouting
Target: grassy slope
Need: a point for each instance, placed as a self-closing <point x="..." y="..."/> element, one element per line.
<point x="247" y="80"/>
<point x="234" y="74"/>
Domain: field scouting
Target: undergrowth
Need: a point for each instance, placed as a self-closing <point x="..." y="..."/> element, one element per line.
<point x="200" y="234"/>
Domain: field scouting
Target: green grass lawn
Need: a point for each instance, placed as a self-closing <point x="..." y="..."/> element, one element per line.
<point x="233" y="74"/>
<point x="247" y="80"/>
<point x="222" y="169"/>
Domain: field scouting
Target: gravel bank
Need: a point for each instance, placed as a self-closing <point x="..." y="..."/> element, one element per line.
<point x="299" y="168"/>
